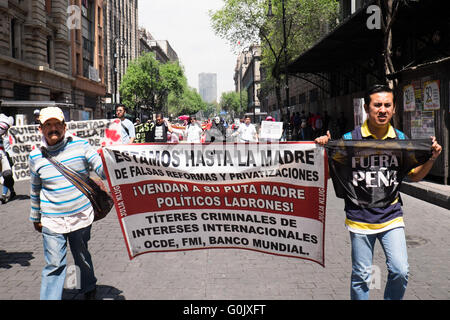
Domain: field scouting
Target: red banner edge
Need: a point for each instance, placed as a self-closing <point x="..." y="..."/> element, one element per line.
<point x="116" y="206"/>
<point x="321" y="263"/>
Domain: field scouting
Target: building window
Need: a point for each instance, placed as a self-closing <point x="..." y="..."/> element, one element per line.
<point x="48" y="6"/>
<point x="293" y="101"/>
<point x="21" y="92"/>
<point x="13" y="38"/>
<point x="313" y="95"/>
<point x="302" y="98"/>
<point x="77" y="66"/>
<point x="50" y="56"/>
<point x="16" y="39"/>
<point x="88" y="37"/>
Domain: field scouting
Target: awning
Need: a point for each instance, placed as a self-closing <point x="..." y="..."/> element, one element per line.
<point x="418" y="67"/>
<point x="352" y="40"/>
<point x="34" y="104"/>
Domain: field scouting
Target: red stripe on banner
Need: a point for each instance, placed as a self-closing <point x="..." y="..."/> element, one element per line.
<point x="320" y="262"/>
<point x="164" y="195"/>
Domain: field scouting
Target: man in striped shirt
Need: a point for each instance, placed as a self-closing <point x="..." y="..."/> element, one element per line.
<point x="58" y="209"/>
<point x="366" y="225"/>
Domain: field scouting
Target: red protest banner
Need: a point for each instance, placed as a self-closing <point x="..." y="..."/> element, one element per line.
<point x="269" y="198"/>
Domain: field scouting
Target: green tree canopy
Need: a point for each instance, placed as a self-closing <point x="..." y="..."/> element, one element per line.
<point x="148" y="82"/>
<point x="189" y="102"/>
<point x="234" y="102"/>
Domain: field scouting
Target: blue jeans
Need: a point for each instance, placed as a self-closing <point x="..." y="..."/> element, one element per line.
<point x="394" y="245"/>
<point x="55" y="252"/>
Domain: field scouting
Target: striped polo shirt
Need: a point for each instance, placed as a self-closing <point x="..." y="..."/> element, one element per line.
<point x="51" y="193"/>
<point x="373" y="220"/>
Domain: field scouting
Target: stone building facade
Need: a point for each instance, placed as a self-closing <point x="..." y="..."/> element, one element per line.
<point x="88" y="61"/>
<point x="247" y="77"/>
<point x="161" y="48"/>
<point x="51" y="54"/>
<point x="34" y="57"/>
<point x="121" y="43"/>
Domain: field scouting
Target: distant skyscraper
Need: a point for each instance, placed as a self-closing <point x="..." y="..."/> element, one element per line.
<point x="207" y="86"/>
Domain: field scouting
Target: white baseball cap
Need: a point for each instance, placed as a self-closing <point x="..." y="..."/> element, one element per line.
<point x="51" y="113"/>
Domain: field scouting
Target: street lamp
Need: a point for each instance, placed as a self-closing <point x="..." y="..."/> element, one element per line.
<point x="270" y="15"/>
<point x="254" y="53"/>
<point x="118" y="41"/>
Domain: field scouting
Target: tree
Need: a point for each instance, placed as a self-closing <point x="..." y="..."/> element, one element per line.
<point x="140" y="84"/>
<point x="189" y="102"/>
<point x="245" y="22"/>
<point x="212" y="109"/>
<point x="173" y="81"/>
<point x="389" y="10"/>
<point x="148" y="82"/>
<point x="233" y="102"/>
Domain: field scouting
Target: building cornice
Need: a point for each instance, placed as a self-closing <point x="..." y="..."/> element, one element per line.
<point x="6" y="60"/>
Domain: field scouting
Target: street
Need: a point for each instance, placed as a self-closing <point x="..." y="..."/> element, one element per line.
<point x="226" y="274"/>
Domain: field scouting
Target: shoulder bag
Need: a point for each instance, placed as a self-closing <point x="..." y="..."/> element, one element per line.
<point x="101" y="201"/>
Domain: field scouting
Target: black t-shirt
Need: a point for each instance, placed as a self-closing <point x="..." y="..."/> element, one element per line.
<point x="157" y="133"/>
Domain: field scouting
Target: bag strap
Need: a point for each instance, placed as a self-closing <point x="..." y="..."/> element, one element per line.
<point x="70" y="175"/>
<point x="126" y="129"/>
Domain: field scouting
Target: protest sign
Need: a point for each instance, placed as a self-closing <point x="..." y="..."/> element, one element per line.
<point x="264" y="197"/>
<point x="409" y="101"/>
<point x="271" y="130"/>
<point x="431" y="100"/>
<point x="369" y="173"/>
<point x="25" y="138"/>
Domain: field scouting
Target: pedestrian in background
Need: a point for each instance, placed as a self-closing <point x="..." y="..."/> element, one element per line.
<point x="217" y="132"/>
<point x="317" y="125"/>
<point x="366" y="225"/>
<point x="128" y="131"/>
<point x="246" y="131"/>
<point x="36" y="116"/>
<point x="306" y="132"/>
<point x="5" y="159"/>
<point x="61" y="212"/>
<point x="193" y="131"/>
<point x="159" y="129"/>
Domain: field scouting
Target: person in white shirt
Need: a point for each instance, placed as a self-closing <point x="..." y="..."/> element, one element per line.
<point x="247" y="131"/>
<point x="193" y="130"/>
<point x="128" y="131"/>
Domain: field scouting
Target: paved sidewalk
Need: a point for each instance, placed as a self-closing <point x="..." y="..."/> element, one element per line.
<point x="434" y="193"/>
<point x="228" y="274"/>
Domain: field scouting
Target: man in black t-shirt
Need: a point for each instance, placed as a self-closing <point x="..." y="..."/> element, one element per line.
<point x="158" y="130"/>
<point x="368" y="222"/>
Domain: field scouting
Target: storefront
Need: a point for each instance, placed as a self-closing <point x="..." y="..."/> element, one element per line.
<point x="423" y="93"/>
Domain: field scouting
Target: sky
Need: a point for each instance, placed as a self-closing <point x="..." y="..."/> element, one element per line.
<point x="187" y="27"/>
